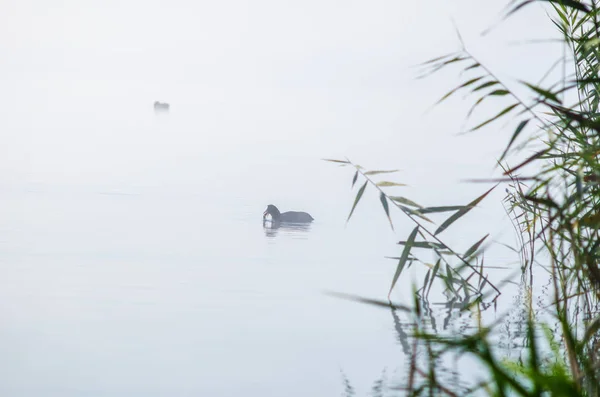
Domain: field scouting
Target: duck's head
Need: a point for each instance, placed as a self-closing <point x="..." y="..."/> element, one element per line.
<point x="273" y="211"/>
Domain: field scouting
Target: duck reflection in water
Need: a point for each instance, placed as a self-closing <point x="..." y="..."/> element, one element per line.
<point x="292" y="221"/>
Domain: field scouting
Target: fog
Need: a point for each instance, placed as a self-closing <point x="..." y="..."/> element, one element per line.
<point x="335" y="78"/>
<point x="132" y="257"/>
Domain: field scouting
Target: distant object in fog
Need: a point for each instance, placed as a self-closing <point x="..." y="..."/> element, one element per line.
<point x="158" y="106"/>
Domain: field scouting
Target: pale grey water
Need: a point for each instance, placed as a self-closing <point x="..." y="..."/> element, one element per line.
<point x="175" y="288"/>
<point x="133" y="261"/>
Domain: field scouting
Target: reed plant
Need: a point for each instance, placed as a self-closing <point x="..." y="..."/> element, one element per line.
<point x="551" y="171"/>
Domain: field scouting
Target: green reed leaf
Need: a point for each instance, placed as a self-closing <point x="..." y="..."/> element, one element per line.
<point x="410" y="211"/>
<point x="425" y="244"/>
<point x="473" y="66"/>
<point x="502" y="113"/>
<point x="380" y="172"/>
<point x="404" y="257"/>
<point x="386" y="208"/>
<point x="388" y="184"/>
<point x="519" y="129"/>
<point x="462" y="212"/>
<point x="569" y="3"/>
<point x="454" y="90"/>
<point x="436" y="268"/>
<point x="424" y="287"/>
<point x="485" y="85"/>
<point x="545" y="93"/>
<point x="431" y="210"/>
<point x="357" y="199"/>
<point x="404" y="200"/>
<point x="475" y="246"/>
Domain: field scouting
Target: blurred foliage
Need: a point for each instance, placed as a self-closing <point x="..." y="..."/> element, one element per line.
<point x="550" y="167"/>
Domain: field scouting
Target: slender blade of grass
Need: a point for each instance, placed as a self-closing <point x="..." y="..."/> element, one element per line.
<point x="357" y="199"/>
<point x="527" y="161"/>
<point x="430" y="210"/>
<point x="404" y="257"/>
<point x="475" y="246"/>
<point x="519" y="129"/>
<point x="368" y="301"/>
<point x="435" y="271"/>
<point x="410" y="211"/>
<point x="485" y="85"/>
<point x="386" y="208"/>
<point x="571" y="3"/>
<point x="425" y="244"/>
<point x="473" y="66"/>
<point x="380" y="172"/>
<point x="404" y="200"/>
<point x="545" y="93"/>
<point x="502" y="113"/>
<point x="450" y="280"/>
<point x="424" y="288"/>
<point x="436" y="59"/>
<point x="451" y="92"/>
<point x="388" y="184"/>
<point x="462" y="212"/>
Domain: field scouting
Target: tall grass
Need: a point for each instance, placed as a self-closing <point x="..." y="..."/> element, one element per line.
<point x="551" y="169"/>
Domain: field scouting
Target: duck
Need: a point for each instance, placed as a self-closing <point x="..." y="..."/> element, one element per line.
<point x="287" y="217"/>
<point x="161" y="106"/>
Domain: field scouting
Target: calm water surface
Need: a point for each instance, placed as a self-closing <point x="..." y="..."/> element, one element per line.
<point x="162" y="293"/>
<point x="133" y="259"/>
<point x="150" y="290"/>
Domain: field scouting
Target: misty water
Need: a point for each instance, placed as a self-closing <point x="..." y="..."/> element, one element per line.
<point x="133" y="258"/>
<point x="165" y="282"/>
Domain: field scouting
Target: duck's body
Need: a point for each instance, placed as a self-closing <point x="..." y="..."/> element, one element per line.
<point x="295" y="216"/>
<point x="287" y="217"/>
<point x="161" y="106"/>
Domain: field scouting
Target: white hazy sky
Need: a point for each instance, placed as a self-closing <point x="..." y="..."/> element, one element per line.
<point x="330" y="78"/>
<point x="260" y="91"/>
